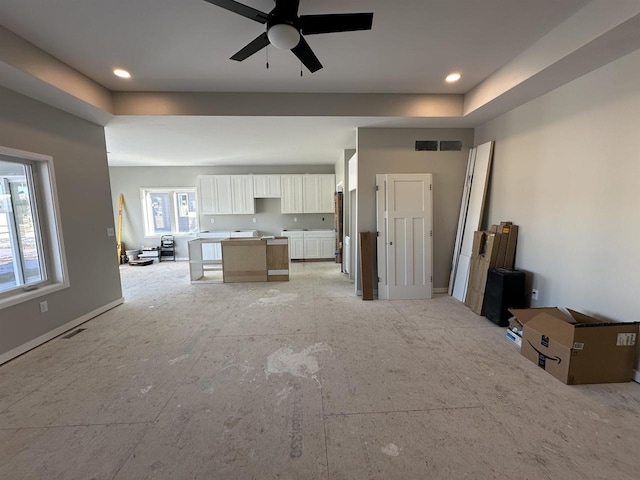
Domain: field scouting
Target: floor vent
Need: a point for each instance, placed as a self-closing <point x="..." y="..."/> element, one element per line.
<point x="74" y="333"/>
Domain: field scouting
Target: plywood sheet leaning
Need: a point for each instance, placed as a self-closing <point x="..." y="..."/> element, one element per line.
<point x="473" y="219"/>
<point x="366" y="265"/>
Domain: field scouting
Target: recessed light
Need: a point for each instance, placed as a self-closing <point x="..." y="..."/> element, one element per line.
<point x="119" y="72"/>
<point x="453" y="77"/>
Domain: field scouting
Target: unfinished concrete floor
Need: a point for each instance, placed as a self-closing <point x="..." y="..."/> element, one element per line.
<point x="300" y="380"/>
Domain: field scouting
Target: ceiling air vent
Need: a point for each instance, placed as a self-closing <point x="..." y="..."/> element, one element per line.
<point x="450" y="146"/>
<point x="426" y="145"/>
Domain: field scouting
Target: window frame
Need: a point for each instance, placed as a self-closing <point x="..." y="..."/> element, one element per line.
<point x="173" y="193"/>
<point x="46" y="209"/>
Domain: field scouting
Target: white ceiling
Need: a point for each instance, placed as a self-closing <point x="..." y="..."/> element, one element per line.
<point x="185" y="45"/>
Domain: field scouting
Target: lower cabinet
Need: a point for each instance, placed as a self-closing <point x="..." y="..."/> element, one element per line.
<point x="305" y="245"/>
<point x="328" y="246"/>
<point x="312" y="248"/>
<point x="296" y="244"/>
<point x="211" y="251"/>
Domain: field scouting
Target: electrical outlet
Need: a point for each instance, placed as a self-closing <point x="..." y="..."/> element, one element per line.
<point x="110" y="232"/>
<point x="213" y="220"/>
<point x="254" y="219"/>
<point x="534" y="294"/>
<point x="295" y="219"/>
<point x="44" y="307"/>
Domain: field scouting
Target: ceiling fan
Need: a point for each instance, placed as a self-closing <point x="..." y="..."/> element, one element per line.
<point x="285" y="28"/>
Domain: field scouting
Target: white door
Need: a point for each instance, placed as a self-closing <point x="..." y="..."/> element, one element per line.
<point x="473" y="220"/>
<point x="404" y="208"/>
<point x="462" y="217"/>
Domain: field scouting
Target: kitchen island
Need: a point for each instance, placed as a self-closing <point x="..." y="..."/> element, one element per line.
<point x="263" y="259"/>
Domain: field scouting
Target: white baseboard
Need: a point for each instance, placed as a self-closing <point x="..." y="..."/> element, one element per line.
<point x="636" y="376"/>
<point x="441" y="290"/>
<point x="5" y="357"/>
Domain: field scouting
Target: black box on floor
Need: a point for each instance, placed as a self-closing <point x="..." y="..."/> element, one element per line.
<point x="505" y="289"/>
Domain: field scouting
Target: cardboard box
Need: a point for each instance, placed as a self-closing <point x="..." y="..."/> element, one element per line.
<point x="578" y="349"/>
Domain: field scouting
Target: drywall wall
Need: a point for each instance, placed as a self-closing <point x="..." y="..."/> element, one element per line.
<point x="82" y="177"/>
<point x="566" y="170"/>
<point x="392" y="150"/>
<point x="129" y="180"/>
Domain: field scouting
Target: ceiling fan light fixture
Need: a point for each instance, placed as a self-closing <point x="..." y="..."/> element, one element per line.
<point x="283" y="36"/>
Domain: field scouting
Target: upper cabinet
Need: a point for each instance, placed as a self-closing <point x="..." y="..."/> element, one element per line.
<point x="242" y="194"/>
<point x="235" y="194"/>
<point x="318" y="193"/>
<point x="226" y="194"/>
<point x="266" y="186"/>
<point x="291" y="194"/>
<point x="214" y="192"/>
<point x="309" y="193"/>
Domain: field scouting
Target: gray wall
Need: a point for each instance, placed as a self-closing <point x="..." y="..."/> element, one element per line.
<point x="80" y="163"/>
<point x="392" y="150"/>
<point x="269" y="220"/>
<point x="566" y="169"/>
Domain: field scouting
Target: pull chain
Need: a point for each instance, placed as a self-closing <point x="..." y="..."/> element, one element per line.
<point x="267" y="50"/>
<point x="300" y="68"/>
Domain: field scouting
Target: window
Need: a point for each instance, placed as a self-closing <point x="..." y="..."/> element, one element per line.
<point x="31" y="255"/>
<point x="169" y="211"/>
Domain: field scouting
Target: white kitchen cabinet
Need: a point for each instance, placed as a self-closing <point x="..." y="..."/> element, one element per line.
<point x="214" y="192"/>
<point x="310" y="244"/>
<point x="213" y="251"/>
<point x="266" y="186"/>
<point x="328" y="246"/>
<point x="311" y="247"/>
<point x="244" y="234"/>
<point x="318" y="191"/>
<point x="226" y="194"/>
<point x="242" y="194"/>
<point x="319" y="244"/>
<point x="291" y="194"/>
<point x="296" y="244"/>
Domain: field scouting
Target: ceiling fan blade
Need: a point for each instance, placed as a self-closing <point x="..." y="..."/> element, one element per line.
<point x="288" y="7"/>
<point x="241" y="9"/>
<point x="256" y="45"/>
<point x="338" y="22"/>
<point x="307" y="57"/>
